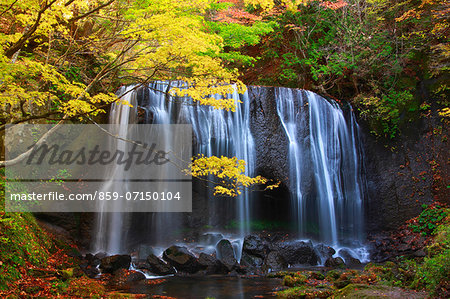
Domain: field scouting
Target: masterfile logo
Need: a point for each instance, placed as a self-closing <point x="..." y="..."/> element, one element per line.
<point x="98" y="168"/>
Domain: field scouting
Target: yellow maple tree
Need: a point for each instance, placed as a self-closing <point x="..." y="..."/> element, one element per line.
<point x="63" y="59"/>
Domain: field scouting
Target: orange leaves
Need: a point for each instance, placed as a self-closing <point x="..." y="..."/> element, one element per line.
<point x="334" y="5"/>
<point x="295" y="27"/>
<point x="412" y="13"/>
<point x="236" y="15"/>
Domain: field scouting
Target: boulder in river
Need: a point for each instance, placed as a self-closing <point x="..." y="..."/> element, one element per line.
<point x="274" y="261"/>
<point x="211" y="264"/>
<point x="144" y="251"/>
<point x="335" y="262"/>
<point x="255" y="246"/>
<point x="92" y="259"/>
<point x="181" y="259"/>
<point x="350" y="261"/>
<point x="251" y="261"/>
<point x="159" y="267"/>
<point x="297" y="252"/>
<point x="210" y="238"/>
<point x="112" y="263"/>
<point x="324" y="251"/>
<point x="225" y="254"/>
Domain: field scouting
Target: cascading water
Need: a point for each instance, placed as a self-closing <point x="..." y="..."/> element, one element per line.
<point x="332" y="197"/>
<point x="216" y="132"/>
<point x="289" y="101"/>
<point x="323" y="159"/>
<point x="219" y="132"/>
<point x="109" y="226"/>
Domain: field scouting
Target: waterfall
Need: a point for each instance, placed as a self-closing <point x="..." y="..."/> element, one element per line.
<point x="218" y="133"/>
<point x="109" y="226"/>
<point x="215" y="131"/>
<point x="323" y="165"/>
<point x="328" y="156"/>
<point x="289" y="101"/>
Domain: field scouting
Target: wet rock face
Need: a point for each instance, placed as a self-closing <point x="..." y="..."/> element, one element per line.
<point x="254" y="245"/>
<point x="112" y="263"/>
<point x="159" y="267"/>
<point x="274" y="262"/>
<point x="349" y="260"/>
<point x="211" y="264"/>
<point x="324" y="252"/>
<point x="225" y="253"/>
<point x="335" y="262"/>
<point x="297" y="252"/>
<point x="181" y="259"/>
<point x="400" y="173"/>
<point x="271" y="142"/>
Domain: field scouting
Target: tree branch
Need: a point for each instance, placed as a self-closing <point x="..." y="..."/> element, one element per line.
<point x="26" y="154"/>
<point x="19" y="44"/>
<point x="74" y="19"/>
<point x="45" y="115"/>
<point x="9" y="8"/>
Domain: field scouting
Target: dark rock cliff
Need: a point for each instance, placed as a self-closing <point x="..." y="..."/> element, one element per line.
<point x="405" y="173"/>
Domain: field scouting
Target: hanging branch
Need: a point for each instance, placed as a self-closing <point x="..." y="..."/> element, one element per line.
<point x="28" y="33"/>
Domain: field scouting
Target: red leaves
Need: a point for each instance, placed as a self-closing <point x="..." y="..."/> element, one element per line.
<point x="334" y="5"/>
<point x="236" y="15"/>
<point x="154" y="281"/>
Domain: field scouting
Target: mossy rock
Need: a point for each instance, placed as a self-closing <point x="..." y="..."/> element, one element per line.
<point x="376" y="291"/>
<point x="67" y="273"/>
<point x="71" y="273"/>
<point x="280" y="274"/>
<point x="296" y="280"/>
<point x="316" y="275"/>
<point x="305" y="292"/>
<point x="332" y="275"/>
<point x="345" y="279"/>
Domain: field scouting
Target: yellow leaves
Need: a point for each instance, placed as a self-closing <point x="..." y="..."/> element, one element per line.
<point x="121" y="101"/>
<point x="170" y="41"/>
<point x="445" y="112"/>
<point x="264" y="4"/>
<point x="176" y="43"/>
<point x="230" y="174"/>
<point x="219" y="190"/>
<point x="200" y="91"/>
<point x="273" y="186"/>
<point x="39" y="84"/>
<point x="267" y="5"/>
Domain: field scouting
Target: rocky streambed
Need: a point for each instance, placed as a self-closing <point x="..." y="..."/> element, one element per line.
<point x="216" y="266"/>
<point x="254" y="255"/>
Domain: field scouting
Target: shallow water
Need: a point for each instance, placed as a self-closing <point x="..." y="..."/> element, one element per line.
<point x="217" y="287"/>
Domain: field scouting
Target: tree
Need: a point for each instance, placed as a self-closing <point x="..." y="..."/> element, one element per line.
<point x="63" y="60"/>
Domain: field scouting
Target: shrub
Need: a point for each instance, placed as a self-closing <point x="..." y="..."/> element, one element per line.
<point x="429" y="219"/>
<point x="433" y="274"/>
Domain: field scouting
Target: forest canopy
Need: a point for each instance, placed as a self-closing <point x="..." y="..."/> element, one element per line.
<point x="67" y="58"/>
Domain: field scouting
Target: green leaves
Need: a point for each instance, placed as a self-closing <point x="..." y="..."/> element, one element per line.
<point x="237" y="35"/>
<point x="430" y="218"/>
